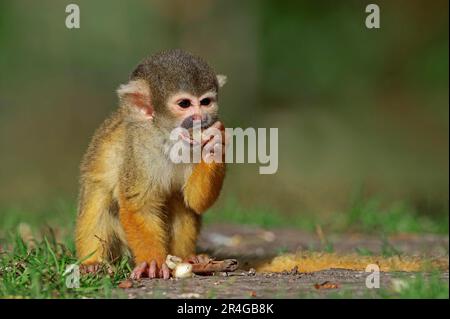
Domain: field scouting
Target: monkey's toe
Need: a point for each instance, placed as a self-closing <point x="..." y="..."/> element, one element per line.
<point x="164" y="272"/>
<point x="151" y="271"/>
<point x="139" y="271"/>
<point x="90" y="268"/>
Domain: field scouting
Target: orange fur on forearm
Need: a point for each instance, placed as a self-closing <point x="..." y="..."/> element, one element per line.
<point x="185" y="225"/>
<point x="203" y="186"/>
<point x="145" y="234"/>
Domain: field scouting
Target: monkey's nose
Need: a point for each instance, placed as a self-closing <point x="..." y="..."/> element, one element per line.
<point x="196" y="117"/>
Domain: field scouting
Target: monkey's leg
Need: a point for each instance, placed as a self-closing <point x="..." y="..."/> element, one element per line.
<point x="93" y="229"/>
<point x="204" y="185"/>
<point x="185" y="227"/>
<point x="146" y="233"/>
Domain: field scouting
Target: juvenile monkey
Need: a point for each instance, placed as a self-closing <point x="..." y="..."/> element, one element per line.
<point x="133" y="198"/>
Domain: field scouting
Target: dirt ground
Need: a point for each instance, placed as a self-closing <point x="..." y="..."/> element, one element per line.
<point x="252" y="245"/>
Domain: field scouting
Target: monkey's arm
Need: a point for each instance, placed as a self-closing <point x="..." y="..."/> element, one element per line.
<point x="185" y="226"/>
<point x="145" y="229"/>
<point x="203" y="186"/>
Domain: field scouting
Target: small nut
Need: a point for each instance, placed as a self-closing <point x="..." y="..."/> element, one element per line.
<point x="183" y="270"/>
<point x="172" y="261"/>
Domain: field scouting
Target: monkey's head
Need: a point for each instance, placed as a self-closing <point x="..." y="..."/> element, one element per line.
<point x="172" y="89"/>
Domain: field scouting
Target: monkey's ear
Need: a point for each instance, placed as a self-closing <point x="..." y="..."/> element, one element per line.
<point x="221" y="79"/>
<point x="136" y="93"/>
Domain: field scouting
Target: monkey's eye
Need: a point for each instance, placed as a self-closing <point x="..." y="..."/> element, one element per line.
<point x="205" y="101"/>
<point x="184" y="103"/>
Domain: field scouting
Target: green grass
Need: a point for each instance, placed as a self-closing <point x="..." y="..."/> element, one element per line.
<point x="420" y="287"/>
<point x="231" y="212"/>
<point x="362" y="216"/>
<point x="363" y="251"/>
<point x="35" y="269"/>
<point x="369" y="216"/>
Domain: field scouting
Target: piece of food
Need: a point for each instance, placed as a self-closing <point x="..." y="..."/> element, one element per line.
<point x="202" y="266"/>
<point x="227" y="265"/>
<point x="183" y="270"/>
<point x="172" y="261"/>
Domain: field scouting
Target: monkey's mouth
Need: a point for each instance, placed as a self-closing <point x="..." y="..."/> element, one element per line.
<point x="192" y="128"/>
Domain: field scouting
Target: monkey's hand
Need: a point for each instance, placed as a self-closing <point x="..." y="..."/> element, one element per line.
<point x="203" y="186"/>
<point x="214" y="142"/>
<point x="151" y="270"/>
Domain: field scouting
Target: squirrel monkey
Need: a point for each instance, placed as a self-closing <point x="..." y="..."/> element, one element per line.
<point x="133" y="198"/>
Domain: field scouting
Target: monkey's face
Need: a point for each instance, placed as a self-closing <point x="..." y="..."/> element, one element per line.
<point x="188" y="109"/>
<point x="173" y="89"/>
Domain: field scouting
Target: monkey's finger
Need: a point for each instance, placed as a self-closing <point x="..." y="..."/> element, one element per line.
<point x="219" y="125"/>
<point x="216" y="126"/>
<point x="214" y="145"/>
<point x="139" y="271"/>
<point x="212" y="142"/>
<point x="214" y="131"/>
<point x="208" y="158"/>
<point x="215" y="156"/>
<point x="207" y="137"/>
<point x="164" y="272"/>
<point x="218" y="152"/>
<point x="152" y="270"/>
<point x="226" y="138"/>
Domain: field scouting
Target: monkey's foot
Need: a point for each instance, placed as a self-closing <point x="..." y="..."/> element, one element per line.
<point x="151" y="270"/>
<point x="90" y="268"/>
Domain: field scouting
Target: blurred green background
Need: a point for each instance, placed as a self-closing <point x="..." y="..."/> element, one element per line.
<point x="362" y="114"/>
